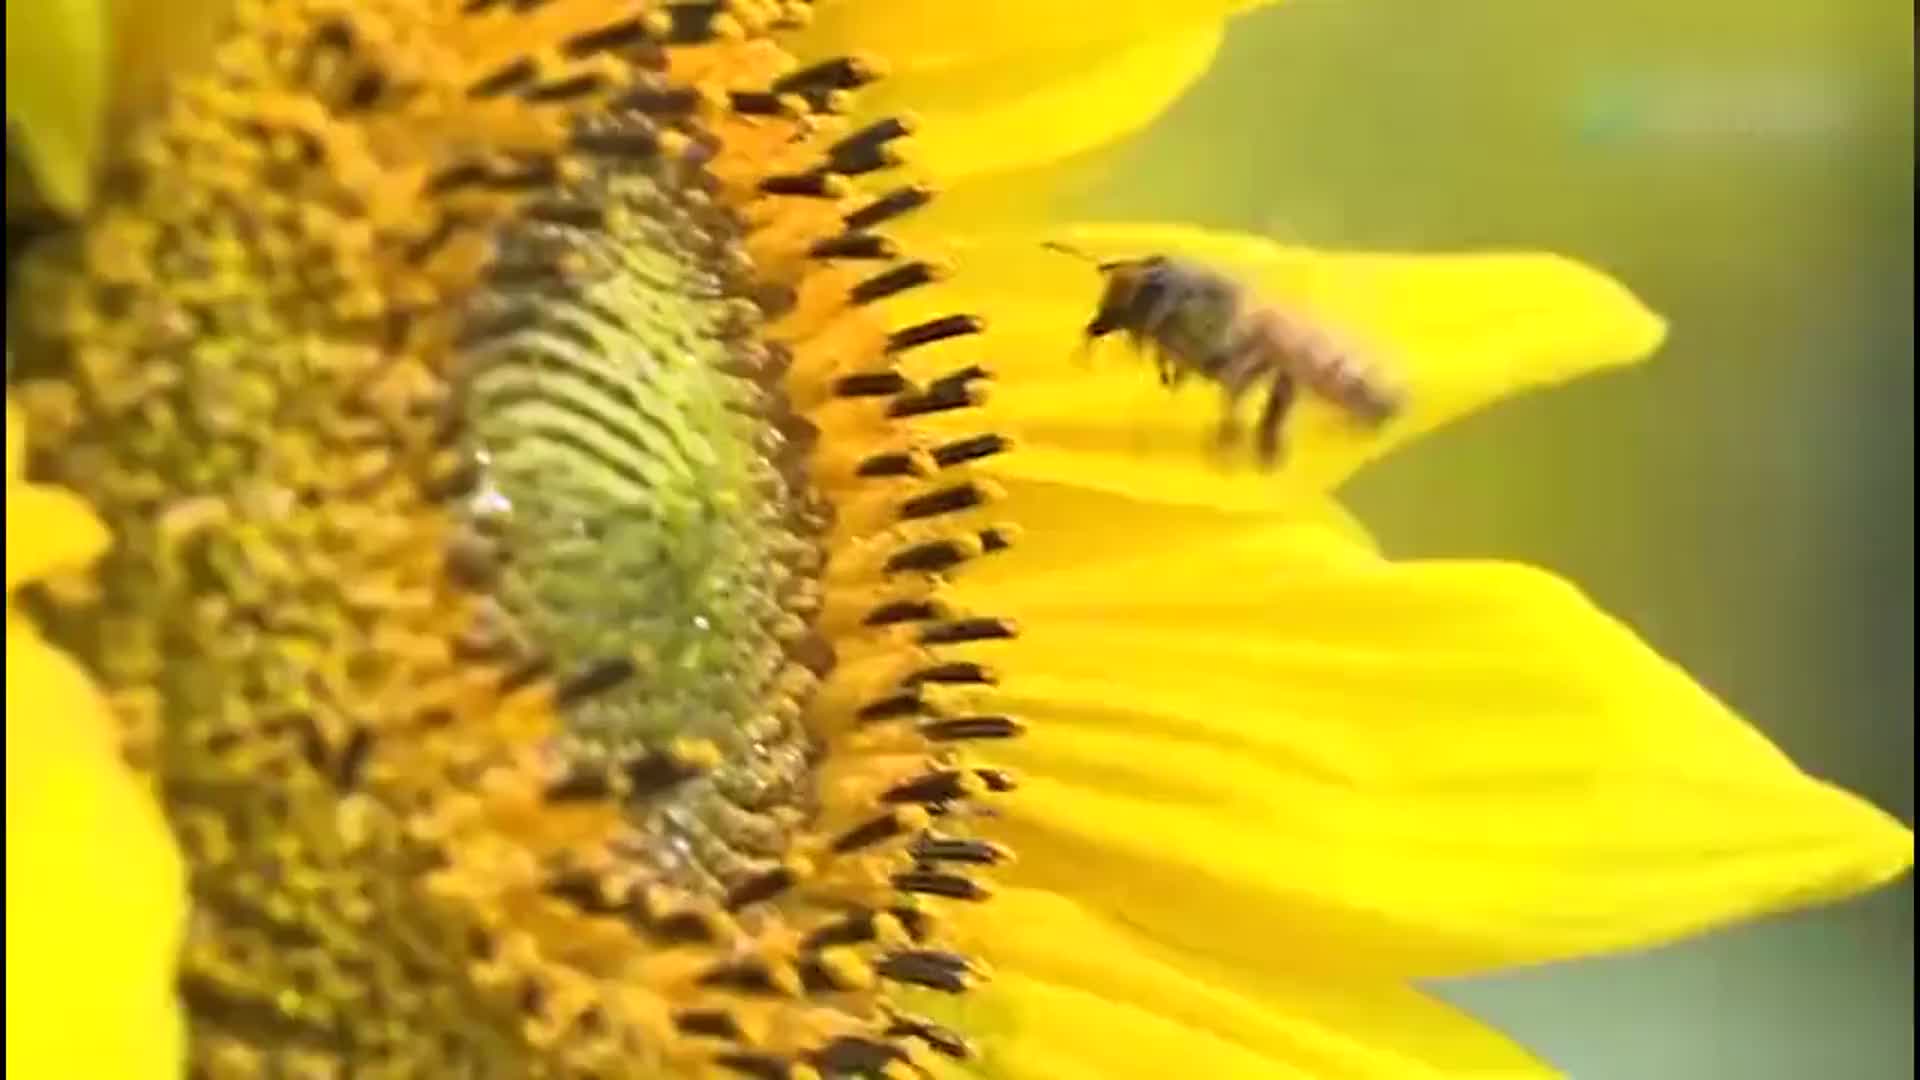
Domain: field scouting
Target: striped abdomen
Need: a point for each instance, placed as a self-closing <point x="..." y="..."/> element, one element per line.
<point x="1324" y="365"/>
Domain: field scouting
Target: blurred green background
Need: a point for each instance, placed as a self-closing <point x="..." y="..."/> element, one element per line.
<point x="1746" y="501"/>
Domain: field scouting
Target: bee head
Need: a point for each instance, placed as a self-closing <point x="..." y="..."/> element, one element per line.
<point x="1131" y="286"/>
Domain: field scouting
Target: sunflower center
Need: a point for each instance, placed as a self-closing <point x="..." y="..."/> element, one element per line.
<point x="631" y="511"/>
<point x="623" y="490"/>
<point x="526" y="587"/>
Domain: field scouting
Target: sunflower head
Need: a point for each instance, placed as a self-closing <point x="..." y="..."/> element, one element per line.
<point x="544" y="581"/>
<point x="526" y="589"/>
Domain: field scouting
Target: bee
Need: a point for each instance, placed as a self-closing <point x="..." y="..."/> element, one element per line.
<point x="1195" y="320"/>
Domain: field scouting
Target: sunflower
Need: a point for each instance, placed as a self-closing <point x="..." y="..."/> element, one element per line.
<point x="513" y="570"/>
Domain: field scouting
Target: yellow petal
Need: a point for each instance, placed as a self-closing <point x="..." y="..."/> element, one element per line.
<point x="1066" y="982"/>
<point x="47" y="529"/>
<point x="56" y="80"/>
<point x="1455" y="332"/>
<point x="1068" y="1033"/>
<point x="94" y="890"/>
<point x="1408" y="769"/>
<point x="1064" y="527"/>
<point x="1004" y="113"/>
<point x="919" y="35"/>
<point x="63" y="533"/>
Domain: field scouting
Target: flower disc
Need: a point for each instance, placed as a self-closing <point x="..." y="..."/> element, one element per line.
<point x="525" y="590"/>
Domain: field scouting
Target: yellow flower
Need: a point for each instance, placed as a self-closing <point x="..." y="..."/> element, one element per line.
<point x="563" y="557"/>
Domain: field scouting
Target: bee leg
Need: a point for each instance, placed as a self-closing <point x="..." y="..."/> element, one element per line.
<point x="1228" y="432"/>
<point x="1235" y="381"/>
<point x="1272" y="416"/>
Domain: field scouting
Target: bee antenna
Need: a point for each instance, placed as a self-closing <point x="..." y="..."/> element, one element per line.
<point x="1065" y="249"/>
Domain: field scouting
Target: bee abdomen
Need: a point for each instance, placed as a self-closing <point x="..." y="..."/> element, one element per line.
<point x="1332" y="370"/>
<point x="1347" y="381"/>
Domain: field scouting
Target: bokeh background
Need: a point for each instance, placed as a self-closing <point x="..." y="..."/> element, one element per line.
<point x="1746" y="501"/>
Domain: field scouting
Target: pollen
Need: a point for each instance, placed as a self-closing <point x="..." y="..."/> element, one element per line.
<point x="527" y="591"/>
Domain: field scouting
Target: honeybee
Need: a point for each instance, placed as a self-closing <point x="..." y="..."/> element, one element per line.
<point x="1195" y="320"/>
